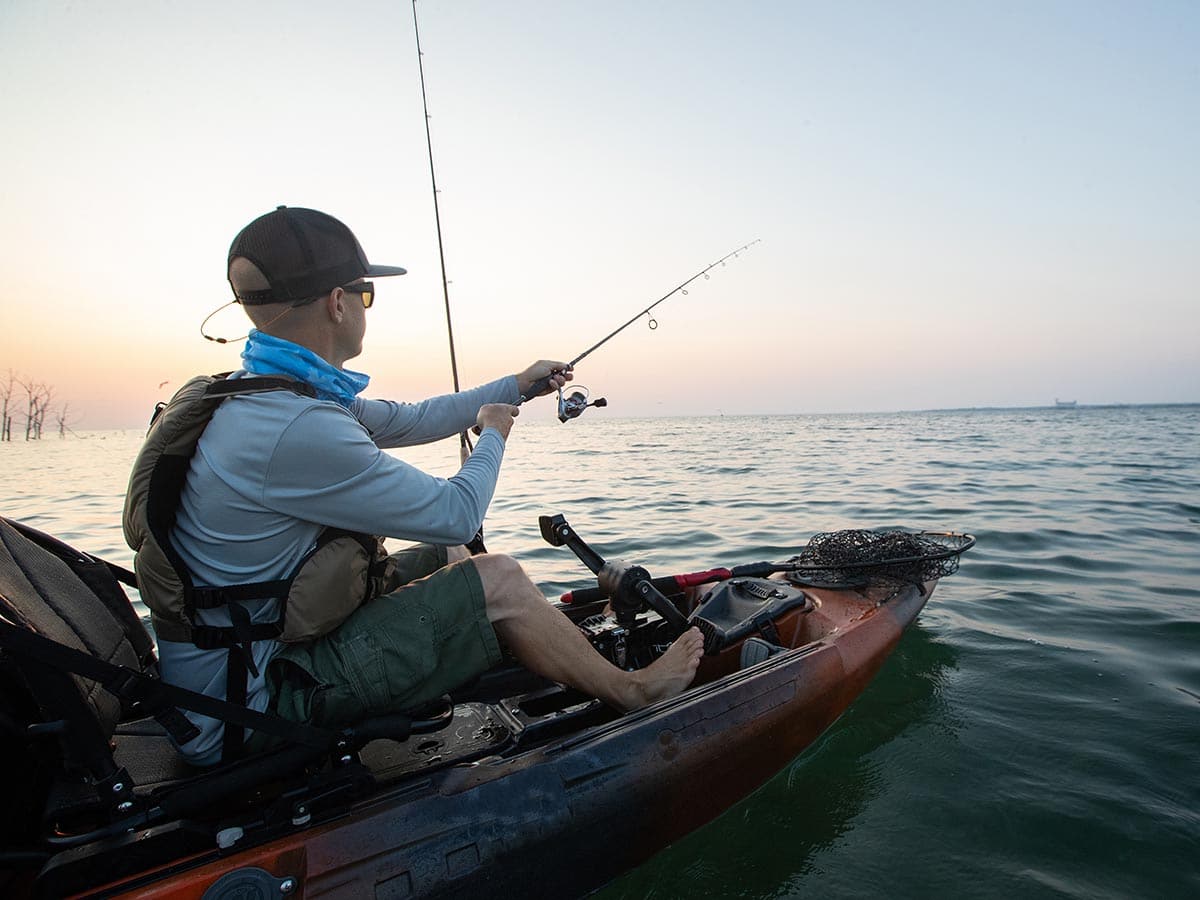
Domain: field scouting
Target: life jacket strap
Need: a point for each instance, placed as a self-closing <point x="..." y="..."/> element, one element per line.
<point x="242" y="628"/>
<point x="224" y="387"/>
<point x="214" y="597"/>
<point x="220" y="637"/>
<point x="238" y="659"/>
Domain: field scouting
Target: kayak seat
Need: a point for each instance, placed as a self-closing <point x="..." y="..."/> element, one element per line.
<point x="741" y="607"/>
<point x="82" y="757"/>
<point x="756" y="650"/>
<point x="143" y="748"/>
<point x="66" y="721"/>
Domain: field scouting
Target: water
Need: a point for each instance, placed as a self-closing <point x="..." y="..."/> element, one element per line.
<point x="1036" y="733"/>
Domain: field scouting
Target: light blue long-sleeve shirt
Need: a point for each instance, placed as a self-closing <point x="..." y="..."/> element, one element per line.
<point x="272" y="470"/>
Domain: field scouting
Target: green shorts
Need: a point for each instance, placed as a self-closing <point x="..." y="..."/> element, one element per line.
<point x="395" y="653"/>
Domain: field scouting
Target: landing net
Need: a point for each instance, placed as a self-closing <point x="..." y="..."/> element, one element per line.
<point x="857" y="558"/>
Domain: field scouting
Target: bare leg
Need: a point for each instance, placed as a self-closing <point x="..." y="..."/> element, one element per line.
<point x="548" y="643"/>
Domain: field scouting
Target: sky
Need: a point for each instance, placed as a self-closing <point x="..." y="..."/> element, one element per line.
<point x="959" y="203"/>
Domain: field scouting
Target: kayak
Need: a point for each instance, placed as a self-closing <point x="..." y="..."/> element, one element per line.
<point x="513" y="784"/>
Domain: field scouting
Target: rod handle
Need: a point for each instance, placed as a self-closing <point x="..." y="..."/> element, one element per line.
<point x="535" y="390"/>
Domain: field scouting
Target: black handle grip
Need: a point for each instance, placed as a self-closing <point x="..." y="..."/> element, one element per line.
<point x="535" y="389"/>
<point x="666" y="584"/>
<point x="556" y="532"/>
<point x="654" y="598"/>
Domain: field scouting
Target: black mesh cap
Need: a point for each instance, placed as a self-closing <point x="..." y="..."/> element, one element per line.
<point x="302" y="253"/>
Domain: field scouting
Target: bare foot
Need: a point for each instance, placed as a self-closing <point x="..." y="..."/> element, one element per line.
<point x="668" y="675"/>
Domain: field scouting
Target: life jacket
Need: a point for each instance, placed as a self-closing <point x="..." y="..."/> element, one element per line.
<point x="342" y="571"/>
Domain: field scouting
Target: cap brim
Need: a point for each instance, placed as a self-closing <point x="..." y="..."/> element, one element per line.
<point x="381" y="271"/>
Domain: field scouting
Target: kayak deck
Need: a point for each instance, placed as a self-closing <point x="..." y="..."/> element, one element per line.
<point x="520" y="814"/>
<point x="504" y="788"/>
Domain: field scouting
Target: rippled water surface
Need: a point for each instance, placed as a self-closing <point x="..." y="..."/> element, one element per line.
<point x="1036" y="733"/>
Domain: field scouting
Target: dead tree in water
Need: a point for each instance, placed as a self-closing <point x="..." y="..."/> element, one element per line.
<point x="6" y="390"/>
<point x="37" y="402"/>
<point x="37" y="405"/>
<point x="61" y="419"/>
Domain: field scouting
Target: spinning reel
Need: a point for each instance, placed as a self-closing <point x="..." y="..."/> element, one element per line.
<point x="572" y="405"/>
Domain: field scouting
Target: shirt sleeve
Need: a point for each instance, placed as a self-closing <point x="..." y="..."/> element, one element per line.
<point x="392" y="424"/>
<point x="325" y="468"/>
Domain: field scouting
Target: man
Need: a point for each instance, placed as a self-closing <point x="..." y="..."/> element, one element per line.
<point x="272" y="471"/>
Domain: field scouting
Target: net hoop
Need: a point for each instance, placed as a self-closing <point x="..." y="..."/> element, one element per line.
<point x="857" y="558"/>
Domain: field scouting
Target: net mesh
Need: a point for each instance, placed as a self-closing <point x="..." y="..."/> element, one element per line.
<point x="857" y="558"/>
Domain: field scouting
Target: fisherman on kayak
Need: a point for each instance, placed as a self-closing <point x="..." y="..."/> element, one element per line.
<point x="278" y="472"/>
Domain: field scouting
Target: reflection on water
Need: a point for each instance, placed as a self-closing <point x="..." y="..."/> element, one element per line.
<point x="773" y="839"/>
<point x="1035" y="734"/>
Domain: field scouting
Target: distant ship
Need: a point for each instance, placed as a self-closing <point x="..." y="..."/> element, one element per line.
<point x="1065" y="404"/>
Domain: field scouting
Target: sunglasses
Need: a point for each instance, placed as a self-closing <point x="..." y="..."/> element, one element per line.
<point x="365" y="289"/>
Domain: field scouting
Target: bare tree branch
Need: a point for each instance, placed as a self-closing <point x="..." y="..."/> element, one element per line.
<point x="37" y="401"/>
<point x="62" y="418"/>
<point x="6" y="390"/>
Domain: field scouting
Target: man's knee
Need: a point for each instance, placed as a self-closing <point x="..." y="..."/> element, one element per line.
<point x="498" y="572"/>
<point x="506" y="587"/>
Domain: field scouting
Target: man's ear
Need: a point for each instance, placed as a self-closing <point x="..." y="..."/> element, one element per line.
<point x="335" y="304"/>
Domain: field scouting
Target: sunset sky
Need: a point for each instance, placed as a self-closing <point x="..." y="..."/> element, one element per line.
<point x="960" y="203"/>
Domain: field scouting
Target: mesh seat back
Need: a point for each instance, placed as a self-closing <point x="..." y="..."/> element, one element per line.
<point x="41" y="592"/>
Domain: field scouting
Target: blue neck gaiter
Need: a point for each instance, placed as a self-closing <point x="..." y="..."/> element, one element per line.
<point x="266" y="354"/>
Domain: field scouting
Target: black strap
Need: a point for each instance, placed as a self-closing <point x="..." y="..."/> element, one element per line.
<point x="217" y="637"/>
<point x="120" y="573"/>
<point x="239" y="666"/>
<point x="234" y="740"/>
<point x="214" y="597"/>
<point x="226" y="387"/>
<point x="766" y="627"/>
<point x="177" y="725"/>
<point x="150" y="695"/>
<point x="243" y="630"/>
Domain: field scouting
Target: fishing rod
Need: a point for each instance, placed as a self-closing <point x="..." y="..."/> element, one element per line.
<point x="573" y="405"/>
<point x="465" y="447"/>
<point x="570" y="406"/>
